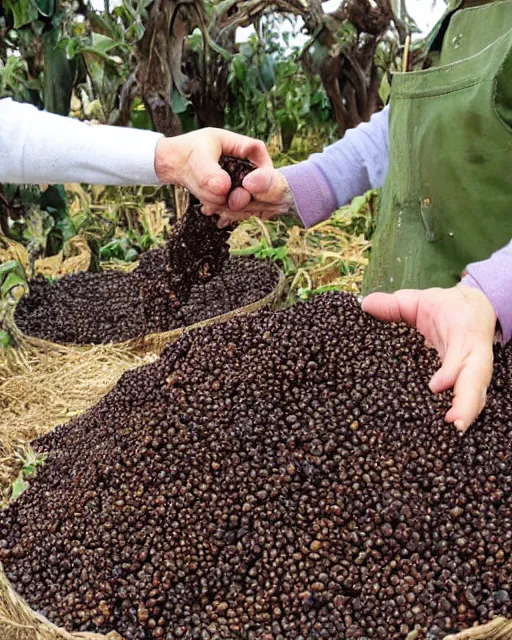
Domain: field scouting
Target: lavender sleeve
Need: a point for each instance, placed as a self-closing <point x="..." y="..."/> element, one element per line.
<point x="349" y="167"/>
<point x="494" y="278"/>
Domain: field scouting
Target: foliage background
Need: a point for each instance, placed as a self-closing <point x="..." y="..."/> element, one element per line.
<point x="174" y="66"/>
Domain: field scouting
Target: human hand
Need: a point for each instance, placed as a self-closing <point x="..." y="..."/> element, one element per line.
<point x="270" y="193"/>
<point x="191" y="160"/>
<point x="460" y="323"/>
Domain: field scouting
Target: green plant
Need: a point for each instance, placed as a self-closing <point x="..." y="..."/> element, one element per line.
<point x="269" y="91"/>
<point x="15" y="81"/>
<point x="30" y="462"/>
<point x="13" y="281"/>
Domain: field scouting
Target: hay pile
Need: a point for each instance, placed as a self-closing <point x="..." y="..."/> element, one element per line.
<point x="43" y="384"/>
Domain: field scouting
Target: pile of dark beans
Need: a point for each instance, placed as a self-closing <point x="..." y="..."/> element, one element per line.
<point x="112" y="306"/>
<point x="282" y="476"/>
<point x="191" y="279"/>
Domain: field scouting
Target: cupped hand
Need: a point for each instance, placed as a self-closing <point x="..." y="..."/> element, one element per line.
<point x="191" y="160"/>
<point x="460" y="324"/>
<point x="265" y="194"/>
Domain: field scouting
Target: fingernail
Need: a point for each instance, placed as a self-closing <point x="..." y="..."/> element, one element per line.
<point x="460" y="425"/>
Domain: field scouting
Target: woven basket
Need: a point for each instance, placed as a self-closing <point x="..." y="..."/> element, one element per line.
<point x="155" y="342"/>
<point x="19" y="622"/>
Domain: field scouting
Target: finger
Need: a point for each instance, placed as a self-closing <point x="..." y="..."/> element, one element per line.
<point x="252" y="209"/>
<point x="239" y="199"/>
<point x="224" y="222"/>
<point x="470" y="389"/>
<point x="266" y="185"/>
<point x="401" y="306"/>
<point x="230" y="218"/>
<point x="240" y="146"/>
<point x="452" y="363"/>
<point x="255" y="208"/>
<point x="209" y="206"/>
<point x="211" y="182"/>
<point x="209" y="209"/>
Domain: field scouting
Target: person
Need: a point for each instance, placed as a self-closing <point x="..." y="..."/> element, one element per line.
<point x="442" y="153"/>
<point x="43" y="148"/>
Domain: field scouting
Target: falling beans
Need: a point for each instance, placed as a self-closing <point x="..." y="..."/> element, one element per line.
<point x="191" y="279"/>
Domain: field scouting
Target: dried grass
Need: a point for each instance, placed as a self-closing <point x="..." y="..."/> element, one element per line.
<point x="333" y="253"/>
<point x="43" y="384"/>
<point x="76" y="256"/>
<point x="497" y="629"/>
<point x="329" y="255"/>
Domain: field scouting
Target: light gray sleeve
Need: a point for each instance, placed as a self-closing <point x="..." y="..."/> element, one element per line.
<point x="39" y="147"/>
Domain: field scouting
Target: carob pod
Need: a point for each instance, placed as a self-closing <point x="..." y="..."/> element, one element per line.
<point x="197" y="248"/>
<point x="282" y="476"/>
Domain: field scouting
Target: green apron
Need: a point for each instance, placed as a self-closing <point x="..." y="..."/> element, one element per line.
<point x="447" y="199"/>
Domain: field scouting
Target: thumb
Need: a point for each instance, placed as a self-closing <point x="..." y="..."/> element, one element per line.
<point x="266" y="184"/>
<point x="401" y="306"/>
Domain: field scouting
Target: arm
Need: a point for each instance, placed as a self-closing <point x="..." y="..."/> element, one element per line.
<point x="320" y="184"/>
<point x="345" y="169"/>
<point x="493" y="277"/>
<point x="39" y="147"/>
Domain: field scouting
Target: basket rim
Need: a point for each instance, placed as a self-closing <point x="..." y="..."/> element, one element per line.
<point x="156" y="340"/>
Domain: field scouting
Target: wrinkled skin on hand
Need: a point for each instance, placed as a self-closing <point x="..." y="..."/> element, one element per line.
<point x="192" y="161"/>
<point x="460" y="324"/>
<point x="265" y="194"/>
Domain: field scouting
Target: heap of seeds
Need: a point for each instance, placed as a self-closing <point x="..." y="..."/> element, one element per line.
<point x="190" y="280"/>
<point x="114" y="306"/>
<point x="282" y="476"/>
